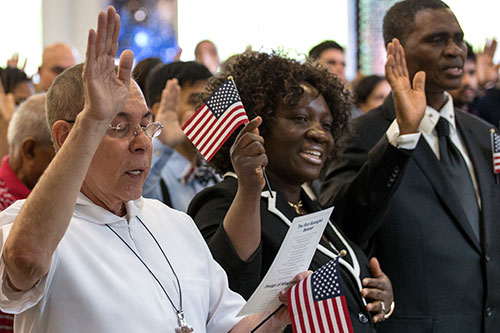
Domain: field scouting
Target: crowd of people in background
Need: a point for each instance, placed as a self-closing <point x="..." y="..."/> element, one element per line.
<point x="405" y="158"/>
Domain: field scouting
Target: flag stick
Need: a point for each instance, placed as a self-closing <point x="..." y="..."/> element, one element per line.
<point x="268" y="185"/>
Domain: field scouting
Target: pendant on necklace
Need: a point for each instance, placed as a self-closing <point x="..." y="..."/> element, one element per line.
<point x="183" y="327"/>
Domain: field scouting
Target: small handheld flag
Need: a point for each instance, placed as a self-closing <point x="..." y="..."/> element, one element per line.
<point x="317" y="304"/>
<point x="215" y="121"/>
<point x="495" y="148"/>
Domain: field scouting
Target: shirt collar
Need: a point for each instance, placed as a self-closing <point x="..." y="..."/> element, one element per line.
<point x="87" y="210"/>
<point x="16" y="188"/>
<point x="431" y="116"/>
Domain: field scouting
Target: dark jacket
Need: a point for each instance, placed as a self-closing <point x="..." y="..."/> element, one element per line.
<point x="444" y="278"/>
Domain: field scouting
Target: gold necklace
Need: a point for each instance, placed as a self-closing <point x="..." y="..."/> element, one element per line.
<point x="296" y="206"/>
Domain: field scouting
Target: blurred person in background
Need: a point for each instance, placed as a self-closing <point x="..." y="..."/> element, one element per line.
<point x="55" y="59"/>
<point x="206" y="53"/>
<point x="331" y="56"/>
<point x="369" y="93"/>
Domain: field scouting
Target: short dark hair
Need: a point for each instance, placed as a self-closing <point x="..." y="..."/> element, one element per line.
<point x="364" y="87"/>
<point x="266" y="80"/>
<point x="185" y="72"/>
<point x="11" y="77"/>
<point x="399" y="21"/>
<point x="316" y="51"/>
<point x="142" y="69"/>
<point x="65" y="98"/>
<point x="470" y="52"/>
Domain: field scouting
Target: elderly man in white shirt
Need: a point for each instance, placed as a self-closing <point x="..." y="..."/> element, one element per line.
<point x="85" y="251"/>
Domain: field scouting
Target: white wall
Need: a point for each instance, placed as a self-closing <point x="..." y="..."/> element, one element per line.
<point x="28" y="25"/>
<point x="69" y="21"/>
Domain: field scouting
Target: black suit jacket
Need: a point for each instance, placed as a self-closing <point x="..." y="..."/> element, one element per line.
<point x="208" y="209"/>
<point x="444" y="278"/>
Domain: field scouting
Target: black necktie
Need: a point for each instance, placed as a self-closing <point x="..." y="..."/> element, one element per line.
<point x="458" y="173"/>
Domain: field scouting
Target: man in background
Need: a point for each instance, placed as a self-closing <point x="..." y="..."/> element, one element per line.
<point x="177" y="171"/>
<point x="30" y="152"/>
<point x="465" y="97"/>
<point x="330" y="55"/>
<point x="55" y="59"/>
<point x="206" y="53"/>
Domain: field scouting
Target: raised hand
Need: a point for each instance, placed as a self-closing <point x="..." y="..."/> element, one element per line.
<point x="409" y="101"/>
<point x="248" y="157"/>
<point x="378" y="289"/>
<point x="486" y="69"/>
<point x="106" y="91"/>
<point x="14" y="60"/>
<point x="168" y="115"/>
<point x="7" y="104"/>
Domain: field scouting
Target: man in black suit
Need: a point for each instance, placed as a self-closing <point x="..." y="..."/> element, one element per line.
<point x="435" y="226"/>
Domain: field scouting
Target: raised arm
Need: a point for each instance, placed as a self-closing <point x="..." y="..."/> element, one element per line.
<point x="45" y="216"/>
<point x="369" y="169"/>
<point x="242" y="221"/>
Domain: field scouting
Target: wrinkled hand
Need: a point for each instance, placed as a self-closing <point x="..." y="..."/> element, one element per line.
<point x="105" y="90"/>
<point x="486" y="70"/>
<point x="168" y="115"/>
<point x="378" y="289"/>
<point x="248" y="157"/>
<point x="7" y="104"/>
<point x="409" y="102"/>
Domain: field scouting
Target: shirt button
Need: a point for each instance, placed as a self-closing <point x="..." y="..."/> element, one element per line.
<point x="489" y="311"/>
<point x="362" y="318"/>
<point x="487" y="258"/>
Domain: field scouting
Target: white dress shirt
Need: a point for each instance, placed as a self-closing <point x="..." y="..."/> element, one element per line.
<point x="96" y="284"/>
<point x="426" y="129"/>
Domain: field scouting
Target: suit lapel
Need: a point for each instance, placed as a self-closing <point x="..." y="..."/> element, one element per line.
<point x="430" y="167"/>
<point x="484" y="174"/>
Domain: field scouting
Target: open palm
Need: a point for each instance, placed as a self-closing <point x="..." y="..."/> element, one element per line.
<point x="106" y="90"/>
<point x="409" y="101"/>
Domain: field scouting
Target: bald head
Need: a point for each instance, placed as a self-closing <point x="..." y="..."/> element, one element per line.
<point x="55" y="59"/>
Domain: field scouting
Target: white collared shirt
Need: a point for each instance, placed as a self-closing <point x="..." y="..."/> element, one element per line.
<point x="96" y="284"/>
<point x="426" y="129"/>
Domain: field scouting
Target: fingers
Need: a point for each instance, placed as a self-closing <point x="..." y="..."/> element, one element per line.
<point x="116" y="35"/>
<point x="91" y="49"/>
<point x="112" y="21"/>
<point x="302" y="275"/>
<point x="101" y="34"/>
<point x="419" y="81"/>
<point x="377" y="306"/>
<point x="125" y="66"/>
<point x="375" y="268"/>
<point x="178" y="54"/>
<point x="170" y="97"/>
<point x="252" y="126"/>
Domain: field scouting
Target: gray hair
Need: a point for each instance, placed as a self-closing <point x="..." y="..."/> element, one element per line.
<point x="28" y="121"/>
<point x="65" y="98"/>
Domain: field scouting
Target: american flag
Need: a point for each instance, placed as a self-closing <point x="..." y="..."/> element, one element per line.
<point x="316" y="304"/>
<point x="215" y="121"/>
<point x="495" y="147"/>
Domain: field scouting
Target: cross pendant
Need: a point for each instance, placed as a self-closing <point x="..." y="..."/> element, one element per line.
<point x="183" y="327"/>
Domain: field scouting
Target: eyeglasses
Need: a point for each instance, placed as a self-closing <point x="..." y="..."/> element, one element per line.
<point x="123" y="129"/>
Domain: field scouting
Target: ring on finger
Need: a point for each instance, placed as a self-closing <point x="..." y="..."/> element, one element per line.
<point x="383" y="307"/>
